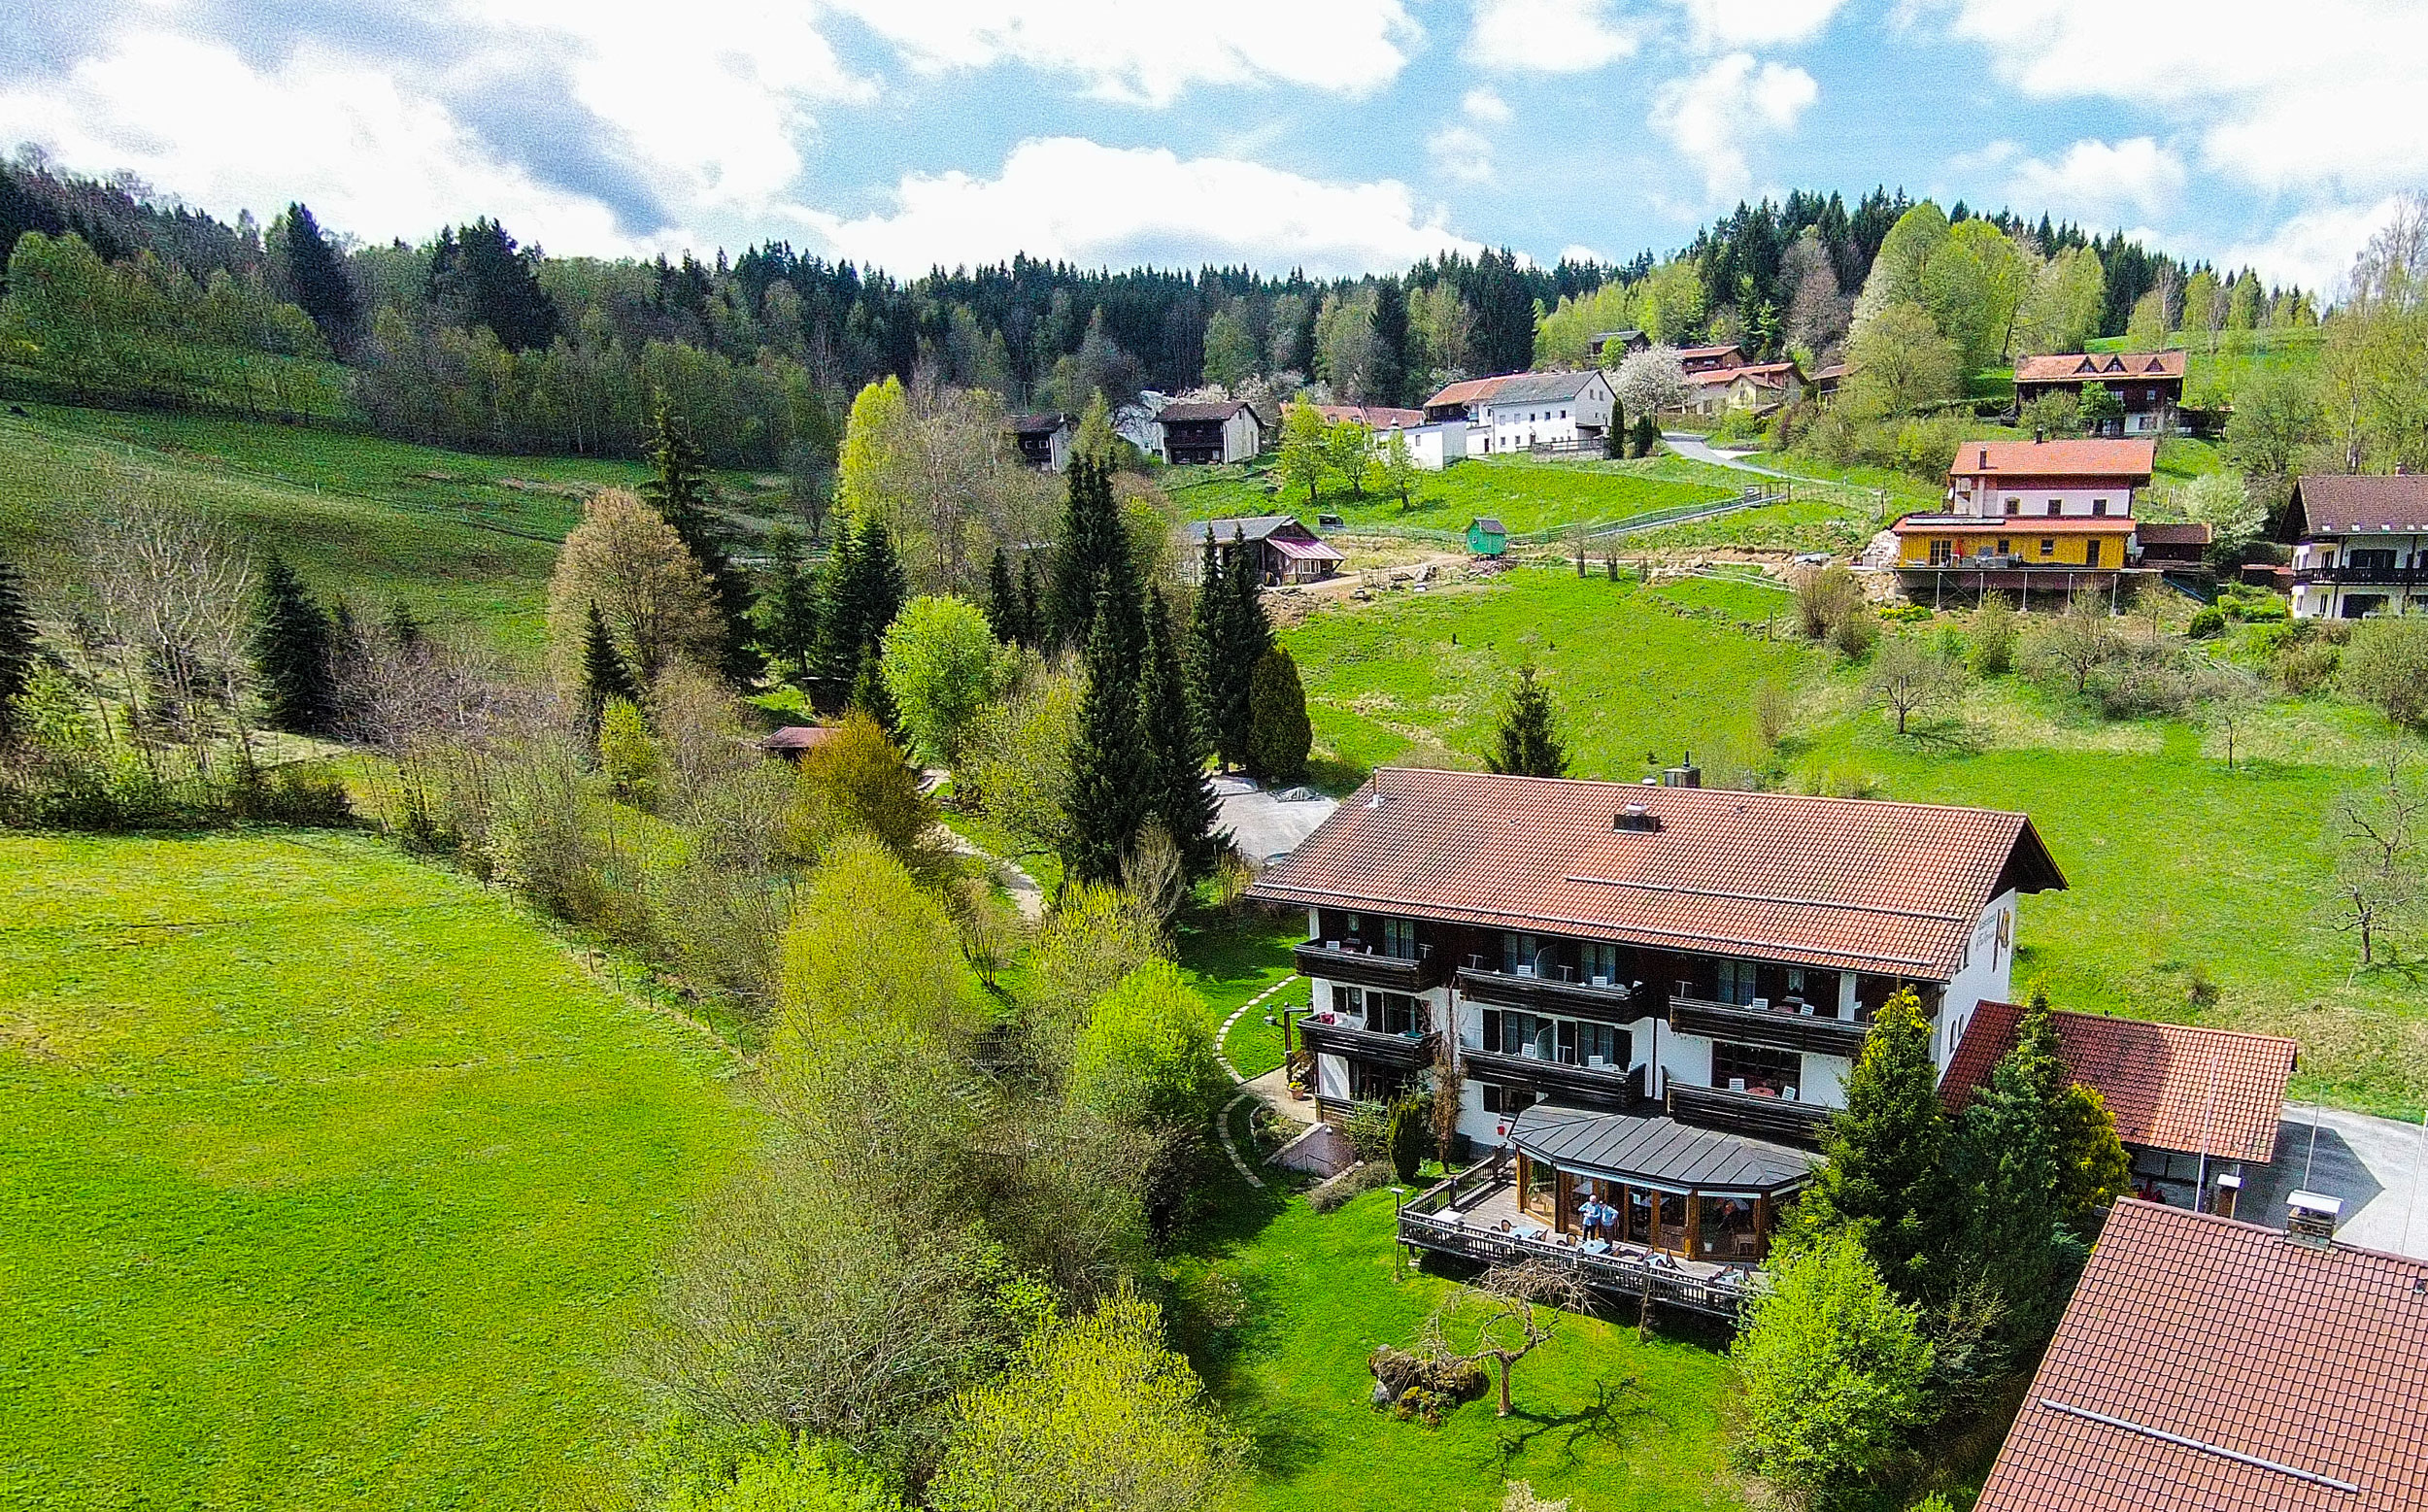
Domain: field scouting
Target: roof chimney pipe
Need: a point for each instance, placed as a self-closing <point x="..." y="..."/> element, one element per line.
<point x="2311" y="1218"/>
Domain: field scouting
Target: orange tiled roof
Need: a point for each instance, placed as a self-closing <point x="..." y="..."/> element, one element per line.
<point x="1472" y="391"/>
<point x="2216" y="1365"/>
<point x="1888" y="888"/>
<point x="1373" y="416"/>
<point x="2055" y="460"/>
<point x="2096" y="367"/>
<point x="2171" y="1086"/>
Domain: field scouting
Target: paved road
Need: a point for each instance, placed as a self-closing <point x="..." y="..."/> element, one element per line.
<point x="1263" y="825"/>
<point x="1695" y="449"/>
<point x="2371" y="1163"/>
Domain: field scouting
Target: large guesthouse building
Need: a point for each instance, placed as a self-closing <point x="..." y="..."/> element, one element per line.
<point x="1651" y="995"/>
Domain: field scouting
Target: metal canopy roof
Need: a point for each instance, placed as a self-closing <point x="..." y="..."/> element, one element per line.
<point x="1656" y="1151"/>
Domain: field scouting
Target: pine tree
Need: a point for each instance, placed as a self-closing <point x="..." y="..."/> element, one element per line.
<point x="1884" y="1165"/>
<point x="604" y="676"/>
<point x="786" y="612"/>
<point x="1108" y="797"/>
<point x="1179" y="794"/>
<point x="317" y="278"/>
<point x="1003" y="602"/>
<point x="1527" y="744"/>
<point x="1032" y="599"/>
<point x="2011" y="1156"/>
<point x="678" y="489"/>
<point x="19" y="649"/>
<point x="865" y="586"/>
<point x="1093" y="552"/>
<point x="290" y="652"/>
<point x="1279" y="736"/>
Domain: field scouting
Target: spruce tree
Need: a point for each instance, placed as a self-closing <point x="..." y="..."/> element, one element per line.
<point x="1647" y="433"/>
<point x="316" y="277"/>
<point x="786" y="612"/>
<point x="1179" y="794"/>
<point x="2011" y="1158"/>
<point x="1279" y="736"/>
<point x="871" y="697"/>
<point x="1032" y="599"/>
<point x="290" y="652"/>
<point x="678" y="487"/>
<point x="1109" y="769"/>
<point x="18" y="650"/>
<point x="604" y="676"/>
<point x="1003" y="602"/>
<point x="865" y="586"/>
<point x="1614" y="434"/>
<point x="1527" y="744"/>
<point x="1885" y="1166"/>
<point x="1386" y="378"/>
<point x="1093" y="551"/>
<point x="1234" y="641"/>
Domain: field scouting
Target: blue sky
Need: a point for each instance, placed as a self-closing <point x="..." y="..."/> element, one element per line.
<point x="1339" y="135"/>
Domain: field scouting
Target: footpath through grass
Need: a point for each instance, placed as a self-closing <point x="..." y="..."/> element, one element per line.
<point x="2198" y="893"/>
<point x="1280" y="1308"/>
<point x="325" y="1181"/>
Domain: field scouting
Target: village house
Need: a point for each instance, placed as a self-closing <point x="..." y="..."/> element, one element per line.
<point x="1284" y="550"/>
<point x="1652" y="996"/>
<point x="2360" y="545"/>
<point x="1607" y="349"/>
<point x="1380" y="418"/>
<point x="1710" y="359"/>
<point x="2149" y="384"/>
<point x="1752" y="386"/>
<point x="2030" y="515"/>
<point x="1045" y="440"/>
<point x="1465" y="399"/>
<point x="1547" y="409"/>
<point x="2194" y="1107"/>
<point x="2210" y="1366"/>
<point x="1432" y="445"/>
<point x="1192" y="432"/>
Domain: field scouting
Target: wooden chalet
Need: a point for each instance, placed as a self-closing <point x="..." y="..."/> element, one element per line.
<point x="2149" y="384"/>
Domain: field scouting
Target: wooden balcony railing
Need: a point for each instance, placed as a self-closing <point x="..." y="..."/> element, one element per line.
<point x="1769" y="1027"/>
<point x="1335" y="961"/>
<point x="1403" y="1051"/>
<point x="2363" y="577"/>
<point x="1609" y="1003"/>
<point x="1746" y="1113"/>
<point x="1614" y="1088"/>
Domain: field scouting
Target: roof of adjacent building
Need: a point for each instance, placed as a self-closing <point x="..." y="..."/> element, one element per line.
<point x="1251" y="527"/>
<point x="2171" y="1086"/>
<point x="2335" y="504"/>
<point x="2173" y="532"/>
<point x="1698" y="354"/>
<point x="1490" y="524"/>
<point x="1628" y="334"/>
<point x="1541" y="388"/>
<point x="1306" y="551"/>
<point x="1469" y="390"/>
<point x="1373" y="416"/>
<point x="1770" y="375"/>
<point x="1656" y="1151"/>
<point x="1040" y="425"/>
<point x="2092" y="368"/>
<point x="1203" y="409"/>
<point x="2090" y="458"/>
<point x="797" y="737"/>
<point x="1848" y="884"/>
<point x="2211" y="1364"/>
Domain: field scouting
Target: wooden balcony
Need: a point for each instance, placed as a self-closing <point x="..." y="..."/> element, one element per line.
<point x="1745" y="1113"/>
<point x="1577" y="1085"/>
<point x="1405" y="1051"/>
<point x="1334" y="962"/>
<point x="1551" y="995"/>
<point x="2364" y="577"/>
<point x="1768" y="1026"/>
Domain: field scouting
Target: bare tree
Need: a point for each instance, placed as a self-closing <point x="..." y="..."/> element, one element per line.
<point x="2228" y="695"/>
<point x="1506" y="1316"/>
<point x="172" y="599"/>
<point x="1909" y="678"/>
<point x="1449" y="1085"/>
<point x="2077" y="641"/>
<point x="2378" y="829"/>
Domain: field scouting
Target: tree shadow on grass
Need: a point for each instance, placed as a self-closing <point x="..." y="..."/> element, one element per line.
<point x="1614" y="1419"/>
<point x="1947" y="736"/>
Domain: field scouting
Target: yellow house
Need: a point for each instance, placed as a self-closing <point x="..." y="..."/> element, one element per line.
<point x="2012" y="545"/>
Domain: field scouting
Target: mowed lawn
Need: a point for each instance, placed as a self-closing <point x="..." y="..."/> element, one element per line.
<point x="2183" y="873"/>
<point x="1617" y="1425"/>
<point x="1522" y="493"/>
<point x="325" y="1181"/>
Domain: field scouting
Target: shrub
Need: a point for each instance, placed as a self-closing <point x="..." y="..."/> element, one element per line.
<point x="1927" y="448"/>
<point x="1994" y="636"/>
<point x="1329" y="1196"/>
<point x="1411" y="1118"/>
<point x="2305" y="669"/>
<point x="1856" y="633"/>
<point x="1368" y="1128"/>
<point x="1908" y="613"/>
<point x="2208" y="621"/>
<point x="1824" y="598"/>
<point x="2388" y="666"/>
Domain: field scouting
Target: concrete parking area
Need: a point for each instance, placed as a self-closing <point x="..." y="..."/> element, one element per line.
<point x="1266" y="824"/>
<point x="2373" y="1165"/>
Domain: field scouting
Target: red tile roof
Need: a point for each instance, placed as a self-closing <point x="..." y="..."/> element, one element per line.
<point x="2171" y="1086"/>
<point x="2096" y="367"/>
<point x="2128" y="460"/>
<point x="2210" y="1365"/>
<point x="1889" y="887"/>
<point x="797" y="737"/>
<point x="1373" y="416"/>
<point x="1472" y="391"/>
<point x="1770" y="375"/>
<point x="2331" y="504"/>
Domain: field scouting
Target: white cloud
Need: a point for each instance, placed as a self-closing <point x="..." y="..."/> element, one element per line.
<point x="1484" y="105"/>
<point x="1460" y="153"/>
<point x="2314" y="248"/>
<point x="1150" y="52"/>
<point x="1546" y="36"/>
<point x="378" y="161"/>
<point x="2097" y="180"/>
<point x="1714" y="115"/>
<point x="1741" y="23"/>
<point x="1067" y="197"/>
<point x="2282" y="100"/>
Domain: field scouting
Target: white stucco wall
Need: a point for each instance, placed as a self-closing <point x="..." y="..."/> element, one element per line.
<point x="1984" y="977"/>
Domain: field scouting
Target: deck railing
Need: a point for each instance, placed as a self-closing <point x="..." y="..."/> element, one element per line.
<point x="1621" y="1274"/>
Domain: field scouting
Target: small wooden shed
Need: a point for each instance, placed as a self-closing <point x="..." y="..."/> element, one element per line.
<point x="1487" y="537"/>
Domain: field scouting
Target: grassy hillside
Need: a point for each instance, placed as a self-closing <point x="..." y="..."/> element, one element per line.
<point x="2182" y="871"/>
<point x="325" y="1181"/>
<point x="467" y="540"/>
<point x="1525" y="495"/>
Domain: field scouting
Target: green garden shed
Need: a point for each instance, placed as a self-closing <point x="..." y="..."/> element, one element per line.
<point x="1487" y="537"/>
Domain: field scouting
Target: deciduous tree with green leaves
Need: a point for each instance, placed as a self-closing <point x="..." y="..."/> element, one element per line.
<point x="1401" y="473"/>
<point x="1305" y="456"/>
<point x="1147" y="1053"/>
<point x="942" y="666"/>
